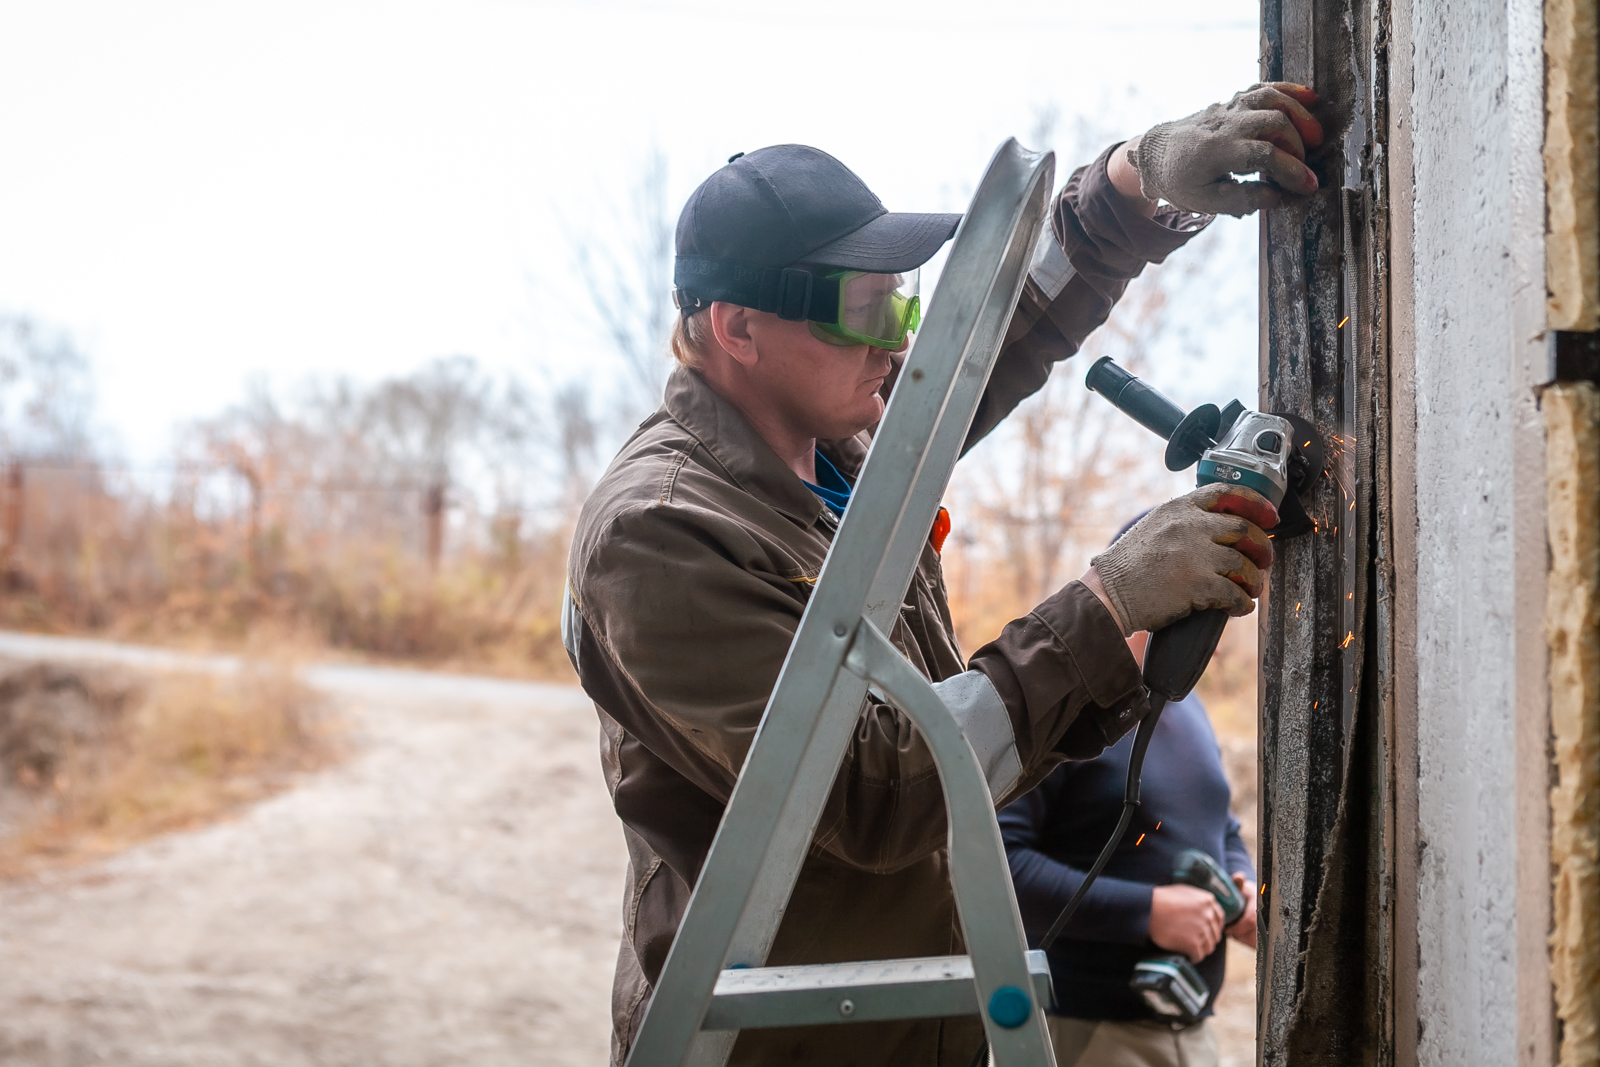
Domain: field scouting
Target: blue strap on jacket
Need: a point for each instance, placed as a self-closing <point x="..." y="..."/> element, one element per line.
<point x="834" y="490"/>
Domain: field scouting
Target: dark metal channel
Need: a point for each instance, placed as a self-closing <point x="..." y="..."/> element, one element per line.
<point x="1324" y="964"/>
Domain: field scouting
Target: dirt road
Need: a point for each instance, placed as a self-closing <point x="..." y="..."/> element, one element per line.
<point x="450" y="895"/>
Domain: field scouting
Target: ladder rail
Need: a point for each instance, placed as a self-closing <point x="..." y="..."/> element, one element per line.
<point x="773" y="809"/>
<point x="759" y="922"/>
<point x="979" y="874"/>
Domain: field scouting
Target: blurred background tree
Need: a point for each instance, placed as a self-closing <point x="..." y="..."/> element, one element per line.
<point x="424" y="515"/>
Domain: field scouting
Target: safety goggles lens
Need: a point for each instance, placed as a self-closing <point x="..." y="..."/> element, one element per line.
<point x="874" y="309"/>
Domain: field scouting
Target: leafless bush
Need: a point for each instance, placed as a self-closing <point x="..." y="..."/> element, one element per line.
<point x="93" y="758"/>
<point x="422" y="517"/>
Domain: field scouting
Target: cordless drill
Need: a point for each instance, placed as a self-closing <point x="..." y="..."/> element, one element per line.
<point x="1171" y="987"/>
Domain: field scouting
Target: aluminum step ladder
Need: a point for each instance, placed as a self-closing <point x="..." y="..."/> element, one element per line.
<point x="713" y="983"/>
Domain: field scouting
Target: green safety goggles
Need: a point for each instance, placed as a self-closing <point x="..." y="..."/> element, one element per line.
<point x="872" y="309"/>
<point x="842" y="307"/>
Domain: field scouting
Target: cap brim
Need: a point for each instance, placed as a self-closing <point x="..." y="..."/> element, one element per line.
<point x="890" y="243"/>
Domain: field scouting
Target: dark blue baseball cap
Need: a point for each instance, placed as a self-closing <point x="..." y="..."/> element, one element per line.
<point x="747" y="229"/>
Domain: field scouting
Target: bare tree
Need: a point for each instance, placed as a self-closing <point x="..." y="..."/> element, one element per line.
<point x="629" y="282"/>
<point x="46" y="393"/>
<point x="355" y="461"/>
<point x="576" y="439"/>
<point x="1034" y="502"/>
<point x="46" y="402"/>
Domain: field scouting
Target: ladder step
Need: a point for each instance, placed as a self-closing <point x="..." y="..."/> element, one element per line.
<point x="750" y="998"/>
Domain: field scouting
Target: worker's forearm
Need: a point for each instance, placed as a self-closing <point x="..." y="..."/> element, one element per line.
<point x="1125" y="179"/>
<point x="1064" y="660"/>
<point x="1061" y="670"/>
<point x="1098" y="238"/>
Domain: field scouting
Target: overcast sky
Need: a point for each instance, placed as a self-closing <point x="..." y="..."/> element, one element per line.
<point x="202" y="192"/>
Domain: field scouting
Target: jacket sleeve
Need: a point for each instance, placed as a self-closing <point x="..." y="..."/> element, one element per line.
<point x="694" y="635"/>
<point x="1095" y="244"/>
<point x="1114" y="910"/>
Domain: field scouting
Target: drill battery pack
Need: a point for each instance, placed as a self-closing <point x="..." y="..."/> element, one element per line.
<point x="1171" y="988"/>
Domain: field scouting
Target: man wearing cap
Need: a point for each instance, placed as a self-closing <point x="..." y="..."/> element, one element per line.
<point x="696" y="553"/>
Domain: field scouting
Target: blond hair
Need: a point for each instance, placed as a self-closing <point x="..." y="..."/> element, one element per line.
<point x="692" y="338"/>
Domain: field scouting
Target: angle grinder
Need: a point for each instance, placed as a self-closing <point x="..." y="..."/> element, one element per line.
<point x="1279" y="455"/>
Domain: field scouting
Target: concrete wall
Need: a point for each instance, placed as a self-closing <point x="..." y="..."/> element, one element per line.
<point x="1481" y="723"/>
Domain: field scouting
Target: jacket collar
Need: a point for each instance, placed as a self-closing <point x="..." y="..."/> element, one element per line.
<point x="730" y="439"/>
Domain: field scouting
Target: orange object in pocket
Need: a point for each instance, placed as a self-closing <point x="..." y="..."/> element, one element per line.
<point x="941" y="530"/>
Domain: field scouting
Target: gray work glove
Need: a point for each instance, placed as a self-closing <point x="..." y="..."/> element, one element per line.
<point x="1191" y="163"/>
<point x="1203" y="550"/>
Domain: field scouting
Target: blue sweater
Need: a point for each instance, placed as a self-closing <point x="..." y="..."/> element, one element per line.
<point x="1053" y="834"/>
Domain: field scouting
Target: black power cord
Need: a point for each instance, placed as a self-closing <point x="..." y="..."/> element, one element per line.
<point x="1130" y="800"/>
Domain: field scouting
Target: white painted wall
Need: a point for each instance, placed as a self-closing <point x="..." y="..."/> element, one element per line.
<point x="1481" y="887"/>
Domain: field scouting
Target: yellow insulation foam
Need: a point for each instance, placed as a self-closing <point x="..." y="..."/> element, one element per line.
<point x="1572" y="163"/>
<point x="1572" y="426"/>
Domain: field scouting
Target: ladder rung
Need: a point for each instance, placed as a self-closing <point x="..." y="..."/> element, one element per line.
<point x="749" y="998"/>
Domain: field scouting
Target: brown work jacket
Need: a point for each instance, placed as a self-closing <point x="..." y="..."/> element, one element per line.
<point x="691" y="564"/>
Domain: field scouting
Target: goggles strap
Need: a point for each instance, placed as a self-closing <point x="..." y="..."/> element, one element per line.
<point x="793" y="293"/>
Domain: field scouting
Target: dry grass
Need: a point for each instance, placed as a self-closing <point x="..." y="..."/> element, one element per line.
<point x="92" y="561"/>
<point x="93" y="759"/>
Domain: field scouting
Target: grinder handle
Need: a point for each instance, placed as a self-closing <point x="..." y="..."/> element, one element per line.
<point x="1134" y="397"/>
<point x="1179" y="653"/>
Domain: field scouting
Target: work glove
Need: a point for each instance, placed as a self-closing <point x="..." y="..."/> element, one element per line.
<point x="1203" y="550"/>
<point x="1191" y="163"/>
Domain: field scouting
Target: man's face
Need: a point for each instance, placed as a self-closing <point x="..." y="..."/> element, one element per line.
<point x="821" y="390"/>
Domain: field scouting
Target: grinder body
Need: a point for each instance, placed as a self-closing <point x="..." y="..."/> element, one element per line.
<point x="1269" y="453"/>
<point x="1254" y="453"/>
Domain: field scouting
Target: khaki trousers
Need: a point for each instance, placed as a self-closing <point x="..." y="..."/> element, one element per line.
<point x="1086" y="1043"/>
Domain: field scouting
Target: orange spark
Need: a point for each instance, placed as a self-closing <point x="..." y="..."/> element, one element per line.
<point x="1347" y="639"/>
<point x="1158" y="826"/>
<point x="1342" y="322"/>
<point x="1139" y="842"/>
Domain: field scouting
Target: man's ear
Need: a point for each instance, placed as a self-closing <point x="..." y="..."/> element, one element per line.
<point x="730" y="324"/>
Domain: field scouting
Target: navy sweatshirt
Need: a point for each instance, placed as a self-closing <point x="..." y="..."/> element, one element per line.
<point x="1054" y="833"/>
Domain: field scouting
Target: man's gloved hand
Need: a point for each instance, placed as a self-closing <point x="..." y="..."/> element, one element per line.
<point x="1265" y="129"/>
<point x="1202" y="550"/>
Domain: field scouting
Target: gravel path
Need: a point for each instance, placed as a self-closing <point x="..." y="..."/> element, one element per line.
<point x="451" y="895"/>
